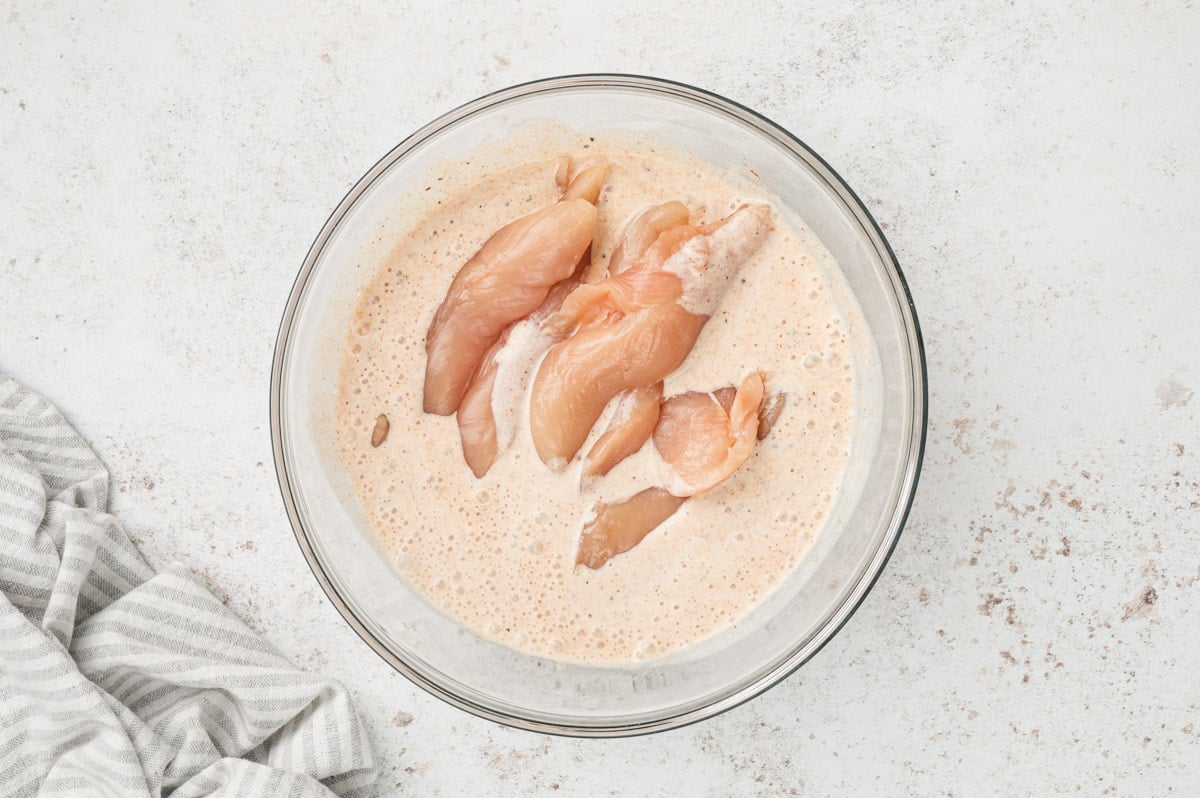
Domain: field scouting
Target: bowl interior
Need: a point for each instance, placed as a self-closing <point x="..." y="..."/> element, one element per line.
<point x="493" y="680"/>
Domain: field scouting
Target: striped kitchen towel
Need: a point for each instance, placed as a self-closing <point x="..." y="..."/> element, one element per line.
<point x="119" y="681"/>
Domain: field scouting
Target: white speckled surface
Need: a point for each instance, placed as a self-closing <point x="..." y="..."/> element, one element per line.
<point x="163" y="171"/>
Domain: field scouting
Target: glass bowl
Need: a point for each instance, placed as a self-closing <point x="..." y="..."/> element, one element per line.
<point x="518" y="689"/>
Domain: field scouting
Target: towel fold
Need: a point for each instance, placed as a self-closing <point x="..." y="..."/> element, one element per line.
<point x="116" y="680"/>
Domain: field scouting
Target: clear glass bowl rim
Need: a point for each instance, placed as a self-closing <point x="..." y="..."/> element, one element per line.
<point x="805" y="650"/>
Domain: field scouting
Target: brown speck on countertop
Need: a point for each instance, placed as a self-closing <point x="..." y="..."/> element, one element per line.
<point x="923" y="596"/>
<point x="1066" y="547"/>
<point x="990" y="603"/>
<point x="1005" y="502"/>
<point x="964" y="426"/>
<point x="1141" y="606"/>
<point x="402" y="719"/>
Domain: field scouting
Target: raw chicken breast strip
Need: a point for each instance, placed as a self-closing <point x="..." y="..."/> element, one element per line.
<point x="617" y="528"/>
<point x="630" y="427"/>
<point x="508" y="278"/>
<point x="705" y="437"/>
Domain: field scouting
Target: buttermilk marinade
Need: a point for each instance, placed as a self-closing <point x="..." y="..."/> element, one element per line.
<point x="498" y="554"/>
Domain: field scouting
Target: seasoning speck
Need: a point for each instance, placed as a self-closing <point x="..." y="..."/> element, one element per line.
<point x="379" y="434"/>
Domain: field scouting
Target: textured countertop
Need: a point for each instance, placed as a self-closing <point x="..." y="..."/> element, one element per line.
<point x="164" y="169"/>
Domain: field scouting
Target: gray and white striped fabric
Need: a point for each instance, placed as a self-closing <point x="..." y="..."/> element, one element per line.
<point x="119" y="681"/>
